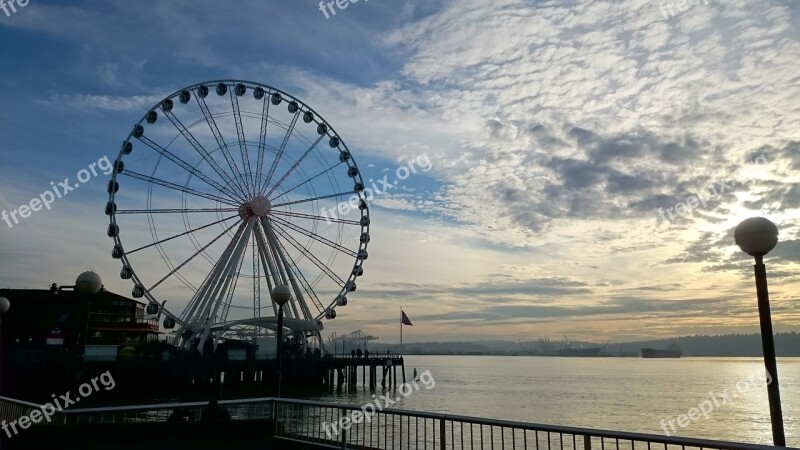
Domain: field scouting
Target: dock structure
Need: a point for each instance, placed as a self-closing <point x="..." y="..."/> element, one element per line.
<point x="187" y="376"/>
<point x="344" y="371"/>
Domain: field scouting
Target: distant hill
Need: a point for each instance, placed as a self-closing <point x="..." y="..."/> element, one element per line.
<point x="786" y="344"/>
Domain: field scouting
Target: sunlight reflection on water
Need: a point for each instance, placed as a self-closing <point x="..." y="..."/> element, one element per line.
<point x="624" y="394"/>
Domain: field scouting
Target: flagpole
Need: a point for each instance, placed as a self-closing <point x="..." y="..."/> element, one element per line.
<point x="401" y="331"/>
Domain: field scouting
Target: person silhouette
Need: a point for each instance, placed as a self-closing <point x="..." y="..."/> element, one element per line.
<point x="414" y="377"/>
<point x="214" y="412"/>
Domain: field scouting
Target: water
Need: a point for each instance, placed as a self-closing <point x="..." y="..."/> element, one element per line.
<point x="624" y="394"/>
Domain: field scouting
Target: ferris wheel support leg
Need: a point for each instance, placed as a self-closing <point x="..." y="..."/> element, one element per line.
<point x="191" y="316"/>
<point x="197" y="317"/>
<point x="270" y="263"/>
<point x="192" y="319"/>
<point x="298" y="298"/>
<point x="279" y="259"/>
<point x="222" y="289"/>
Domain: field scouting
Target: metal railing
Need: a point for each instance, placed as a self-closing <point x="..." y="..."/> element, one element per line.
<point x="244" y="409"/>
<point x="345" y="426"/>
<point x="11" y="409"/>
<point x="330" y="425"/>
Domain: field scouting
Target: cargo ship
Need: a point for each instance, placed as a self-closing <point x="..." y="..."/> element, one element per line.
<point x="671" y="352"/>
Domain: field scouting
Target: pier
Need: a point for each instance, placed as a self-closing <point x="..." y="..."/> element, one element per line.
<point x="182" y="376"/>
<point x="368" y="370"/>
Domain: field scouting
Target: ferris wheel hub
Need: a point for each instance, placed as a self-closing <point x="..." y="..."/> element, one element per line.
<point x="259" y="206"/>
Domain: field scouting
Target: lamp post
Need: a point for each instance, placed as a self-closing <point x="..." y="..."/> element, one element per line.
<point x="280" y="295"/>
<point x="4" y="305"/>
<point x="757" y="236"/>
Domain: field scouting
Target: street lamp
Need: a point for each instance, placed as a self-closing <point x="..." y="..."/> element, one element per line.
<point x="280" y="295"/>
<point x="757" y="236"/>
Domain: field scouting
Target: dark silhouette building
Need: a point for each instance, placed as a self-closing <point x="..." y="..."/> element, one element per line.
<point x="62" y="320"/>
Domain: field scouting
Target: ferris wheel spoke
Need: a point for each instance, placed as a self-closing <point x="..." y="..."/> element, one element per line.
<point x="237" y="117"/>
<point x="314" y="297"/>
<point x="212" y="124"/>
<point x="175" y="211"/>
<point x="315" y="217"/>
<point x="308" y="180"/>
<point x="181" y="234"/>
<point x="294" y="166"/>
<point x="262" y="141"/>
<point x="177" y="187"/>
<point x="305" y="200"/>
<point x="204" y="153"/>
<point x="316" y="261"/>
<point x="199" y="251"/>
<point x="316" y="237"/>
<point x="289" y="131"/>
<point x="185" y="166"/>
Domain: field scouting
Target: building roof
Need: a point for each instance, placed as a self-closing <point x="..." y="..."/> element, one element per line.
<point x="14" y="295"/>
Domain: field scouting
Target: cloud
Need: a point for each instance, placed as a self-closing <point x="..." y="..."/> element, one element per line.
<point x="136" y="103"/>
<point x="557" y="131"/>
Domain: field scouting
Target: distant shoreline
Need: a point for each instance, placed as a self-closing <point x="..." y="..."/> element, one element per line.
<point x="593" y="357"/>
<point x="787" y="344"/>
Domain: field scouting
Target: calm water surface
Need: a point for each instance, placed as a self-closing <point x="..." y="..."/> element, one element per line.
<point x="626" y="394"/>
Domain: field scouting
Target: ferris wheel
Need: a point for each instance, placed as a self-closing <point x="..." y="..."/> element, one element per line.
<point x="223" y="191"/>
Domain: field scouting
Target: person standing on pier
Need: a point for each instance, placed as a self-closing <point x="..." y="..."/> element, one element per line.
<point x="358" y="352"/>
<point x="214" y="413"/>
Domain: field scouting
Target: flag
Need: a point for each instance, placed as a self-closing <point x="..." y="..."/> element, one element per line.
<point x="405" y="320"/>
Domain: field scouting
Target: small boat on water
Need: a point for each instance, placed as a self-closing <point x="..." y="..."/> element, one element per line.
<point x="671" y="352"/>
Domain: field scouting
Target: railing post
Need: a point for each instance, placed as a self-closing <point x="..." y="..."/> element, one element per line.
<point x="344" y="432"/>
<point x="275" y="417"/>
<point x="587" y="442"/>
<point x="442" y="436"/>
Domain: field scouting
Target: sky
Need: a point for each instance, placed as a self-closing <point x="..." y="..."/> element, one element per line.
<point x="564" y="139"/>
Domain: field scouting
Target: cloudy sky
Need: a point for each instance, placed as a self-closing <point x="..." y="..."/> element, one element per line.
<point x="564" y="139"/>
